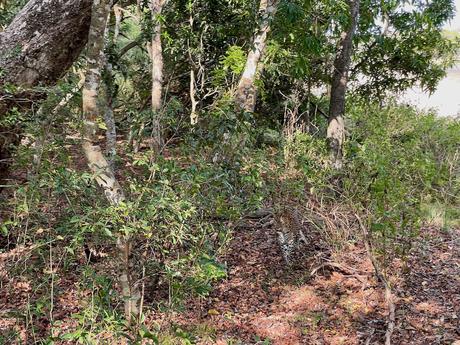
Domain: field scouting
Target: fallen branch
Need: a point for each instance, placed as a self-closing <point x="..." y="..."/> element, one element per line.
<point x="348" y="271"/>
<point x="261" y="213"/>
<point x="261" y="224"/>
<point x="381" y="277"/>
<point x="331" y="265"/>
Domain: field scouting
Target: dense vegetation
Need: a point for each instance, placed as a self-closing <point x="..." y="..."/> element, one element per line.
<point x="245" y="114"/>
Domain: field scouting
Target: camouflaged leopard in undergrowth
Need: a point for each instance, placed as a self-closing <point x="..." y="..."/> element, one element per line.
<point x="291" y="232"/>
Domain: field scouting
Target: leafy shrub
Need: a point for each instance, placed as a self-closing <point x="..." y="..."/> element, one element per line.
<point x="397" y="158"/>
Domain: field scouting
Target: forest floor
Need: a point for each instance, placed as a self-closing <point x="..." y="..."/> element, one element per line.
<point x="264" y="302"/>
<point x="324" y="298"/>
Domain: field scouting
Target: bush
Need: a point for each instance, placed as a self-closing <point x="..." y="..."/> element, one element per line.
<point x="398" y="158"/>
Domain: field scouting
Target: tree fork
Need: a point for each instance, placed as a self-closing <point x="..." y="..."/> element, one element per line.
<point x="246" y="92"/>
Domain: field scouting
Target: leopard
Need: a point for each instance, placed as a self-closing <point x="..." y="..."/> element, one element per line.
<point x="291" y="236"/>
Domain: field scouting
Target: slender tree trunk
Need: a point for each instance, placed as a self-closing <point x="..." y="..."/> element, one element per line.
<point x="156" y="51"/>
<point x="118" y="15"/>
<point x="193" y="113"/>
<point x="246" y="92"/>
<point x="336" y="127"/>
<point x="98" y="164"/>
<point x="109" y="118"/>
<point x="193" y="101"/>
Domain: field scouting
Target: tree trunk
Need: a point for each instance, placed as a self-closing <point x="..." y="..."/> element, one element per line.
<point x="246" y="92"/>
<point x="38" y="46"/>
<point x="118" y="16"/>
<point x="109" y="118"/>
<point x="193" y="113"/>
<point x="98" y="164"/>
<point x="156" y="51"/>
<point x="193" y="101"/>
<point x="109" y="90"/>
<point x="336" y="127"/>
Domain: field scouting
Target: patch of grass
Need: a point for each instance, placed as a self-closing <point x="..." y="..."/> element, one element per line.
<point x="441" y="215"/>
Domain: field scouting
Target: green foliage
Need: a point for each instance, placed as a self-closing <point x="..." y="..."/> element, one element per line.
<point x="8" y="9"/>
<point x="395" y="163"/>
<point x="206" y="272"/>
<point x="181" y="206"/>
<point x="416" y="51"/>
<point x="412" y="51"/>
<point x="311" y="158"/>
<point x="230" y="66"/>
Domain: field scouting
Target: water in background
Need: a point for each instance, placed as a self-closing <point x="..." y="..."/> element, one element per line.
<point x="445" y="100"/>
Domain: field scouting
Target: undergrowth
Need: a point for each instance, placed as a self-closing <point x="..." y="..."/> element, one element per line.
<point x="402" y="170"/>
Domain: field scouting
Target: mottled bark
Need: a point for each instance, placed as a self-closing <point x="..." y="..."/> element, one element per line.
<point x="38" y="46"/>
<point x="109" y="118"/>
<point x="98" y="164"/>
<point x="193" y="101"/>
<point x="193" y="113"/>
<point x="118" y="15"/>
<point x="156" y="54"/>
<point x="336" y="127"/>
<point x="246" y="91"/>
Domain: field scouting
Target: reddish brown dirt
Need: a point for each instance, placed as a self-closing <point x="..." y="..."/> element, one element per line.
<point x="429" y="295"/>
<point x="263" y="300"/>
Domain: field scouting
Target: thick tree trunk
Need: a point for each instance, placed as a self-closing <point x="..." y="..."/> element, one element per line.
<point x="98" y="164"/>
<point x="156" y="51"/>
<point x="246" y="92"/>
<point x="39" y="45"/>
<point x="336" y="127"/>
